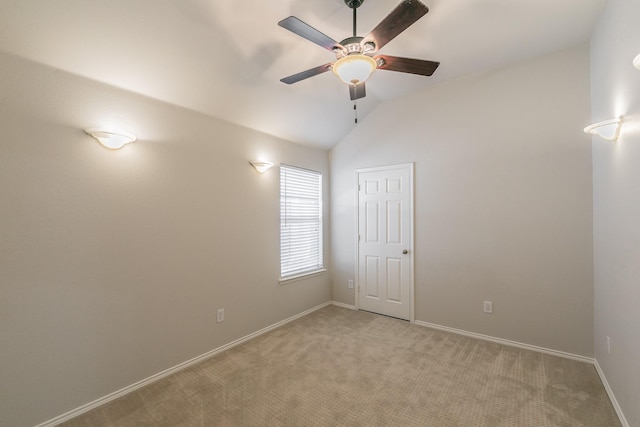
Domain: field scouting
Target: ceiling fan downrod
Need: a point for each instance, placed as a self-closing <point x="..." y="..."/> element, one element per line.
<point x="354" y="4"/>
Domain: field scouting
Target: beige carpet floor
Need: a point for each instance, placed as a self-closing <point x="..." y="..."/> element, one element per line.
<point x="339" y="367"/>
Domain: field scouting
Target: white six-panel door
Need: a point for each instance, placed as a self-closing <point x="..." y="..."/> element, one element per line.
<point x="385" y="221"/>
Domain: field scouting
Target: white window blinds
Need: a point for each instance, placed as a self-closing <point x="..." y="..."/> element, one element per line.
<point x="300" y="221"/>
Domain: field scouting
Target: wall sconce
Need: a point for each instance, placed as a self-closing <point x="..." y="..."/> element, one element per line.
<point x="261" y="166"/>
<point x="111" y="139"/>
<point x="607" y="129"/>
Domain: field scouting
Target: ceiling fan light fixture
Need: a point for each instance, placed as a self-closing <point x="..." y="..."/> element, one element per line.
<point x="355" y="68"/>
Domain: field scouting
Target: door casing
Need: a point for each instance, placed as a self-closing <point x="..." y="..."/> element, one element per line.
<point x="410" y="167"/>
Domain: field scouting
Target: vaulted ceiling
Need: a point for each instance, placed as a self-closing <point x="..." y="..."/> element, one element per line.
<point x="225" y="58"/>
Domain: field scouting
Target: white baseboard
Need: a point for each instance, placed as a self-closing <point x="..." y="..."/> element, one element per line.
<point x="108" y="398"/>
<point x="510" y="343"/>
<point x="551" y="352"/>
<point x="612" y="397"/>
<point x="343" y="305"/>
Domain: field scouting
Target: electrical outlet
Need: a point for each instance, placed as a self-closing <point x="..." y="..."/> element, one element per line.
<point x="608" y="345"/>
<point x="488" y="307"/>
<point x="350" y="284"/>
<point x="220" y="315"/>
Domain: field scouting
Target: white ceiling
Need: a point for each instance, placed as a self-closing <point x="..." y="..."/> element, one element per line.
<point x="225" y="58"/>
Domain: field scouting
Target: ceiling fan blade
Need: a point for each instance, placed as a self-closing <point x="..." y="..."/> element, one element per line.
<point x="306" y="74"/>
<point x="400" y="18"/>
<point x="406" y="65"/>
<point x="357" y="91"/>
<point x="306" y="31"/>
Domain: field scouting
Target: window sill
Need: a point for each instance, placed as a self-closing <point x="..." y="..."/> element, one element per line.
<point x="307" y="275"/>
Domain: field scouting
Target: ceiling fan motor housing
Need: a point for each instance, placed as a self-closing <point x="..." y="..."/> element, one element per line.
<point x="354" y="45"/>
<point x="349" y="45"/>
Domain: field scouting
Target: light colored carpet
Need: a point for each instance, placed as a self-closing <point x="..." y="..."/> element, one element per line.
<point x="339" y="367"/>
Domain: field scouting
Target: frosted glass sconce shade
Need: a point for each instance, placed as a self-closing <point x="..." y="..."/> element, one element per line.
<point x="607" y="129"/>
<point x="261" y="166"/>
<point x="110" y="139"/>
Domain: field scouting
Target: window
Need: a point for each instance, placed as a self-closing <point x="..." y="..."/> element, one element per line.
<point x="300" y="222"/>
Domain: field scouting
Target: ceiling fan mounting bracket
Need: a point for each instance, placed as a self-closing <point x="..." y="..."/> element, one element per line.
<point x="353" y="4"/>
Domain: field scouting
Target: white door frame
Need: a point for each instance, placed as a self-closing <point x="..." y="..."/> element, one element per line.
<point x="409" y="166"/>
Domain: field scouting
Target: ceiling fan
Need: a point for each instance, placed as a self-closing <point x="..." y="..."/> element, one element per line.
<point x="355" y="60"/>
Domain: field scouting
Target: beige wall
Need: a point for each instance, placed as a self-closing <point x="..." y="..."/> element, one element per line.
<point x="503" y="200"/>
<point x="615" y="88"/>
<point x="113" y="263"/>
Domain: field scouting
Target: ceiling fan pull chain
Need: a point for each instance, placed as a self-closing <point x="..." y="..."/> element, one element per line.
<point x="355" y="112"/>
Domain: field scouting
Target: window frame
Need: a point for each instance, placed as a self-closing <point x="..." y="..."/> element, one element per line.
<point x="289" y="201"/>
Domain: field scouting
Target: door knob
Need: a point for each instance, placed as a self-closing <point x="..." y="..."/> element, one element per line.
<point x="404" y="251"/>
